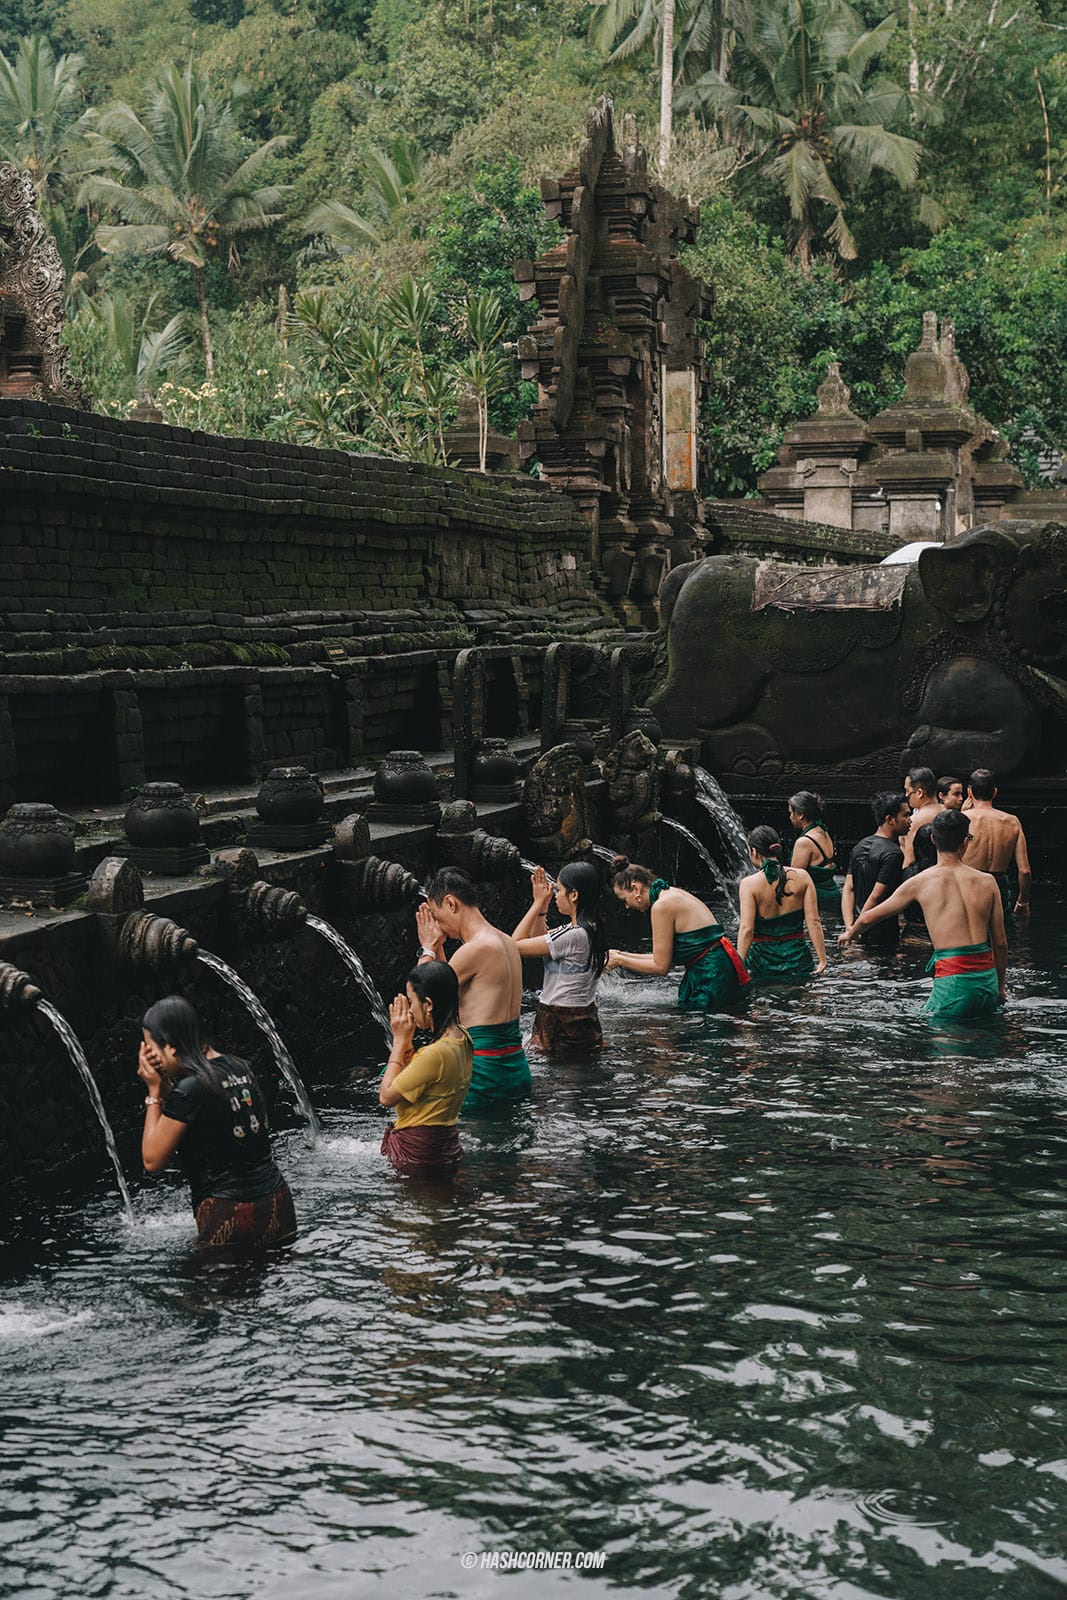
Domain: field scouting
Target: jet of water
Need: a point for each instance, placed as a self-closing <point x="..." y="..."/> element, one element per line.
<point x="74" y="1050"/>
<point x="260" y="1015"/>
<point x="722" y="888"/>
<point x="729" y="828"/>
<point x="358" y="971"/>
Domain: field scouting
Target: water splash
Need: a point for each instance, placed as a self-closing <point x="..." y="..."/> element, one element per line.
<point x="74" y="1050"/>
<point x="262" y="1018"/>
<point x="722" y="886"/>
<point x="729" y="828"/>
<point x="604" y="853"/>
<point x="531" y="866"/>
<point x="358" y="971"/>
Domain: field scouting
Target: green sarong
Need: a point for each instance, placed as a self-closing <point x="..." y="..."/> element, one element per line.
<point x="780" y="953"/>
<point x="966" y="986"/>
<point x="827" y="890"/>
<point x="714" y="972"/>
<point x="500" y="1071"/>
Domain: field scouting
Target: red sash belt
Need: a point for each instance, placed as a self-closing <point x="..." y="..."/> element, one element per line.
<point x="500" y="1050"/>
<point x="743" y="975"/>
<point x="953" y="966"/>
<point x="777" y="938"/>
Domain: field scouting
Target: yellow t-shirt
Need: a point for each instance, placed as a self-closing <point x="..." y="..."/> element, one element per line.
<point x="434" y="1084"/>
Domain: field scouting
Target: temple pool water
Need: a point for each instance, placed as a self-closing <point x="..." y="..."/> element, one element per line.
<point x="771" y="1308"/>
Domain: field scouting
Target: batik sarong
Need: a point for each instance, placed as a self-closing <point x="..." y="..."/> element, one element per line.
<point x="251" y="1224"/>
<point x="966" y="985"/>
<point x="501" y="1071"/>
<point x="566" y="1030"/>
<point x="424" y="1150"/>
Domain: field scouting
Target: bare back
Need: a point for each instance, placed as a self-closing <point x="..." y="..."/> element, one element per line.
<point x="489" y="969"/>
<point x="994" y="836"/>
<point x="763" y="893"/>
<point x="924" y="814"/>
<point x="959" y="904"/>
<point x="682" y="911"/>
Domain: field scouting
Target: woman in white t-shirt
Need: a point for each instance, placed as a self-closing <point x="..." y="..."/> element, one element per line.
<point x="574" y="955"/>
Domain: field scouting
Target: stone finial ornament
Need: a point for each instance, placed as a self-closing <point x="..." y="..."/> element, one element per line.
<point x="33" y="357"/>
<point x="631" y="772"/>
<point x="557" y="817"/>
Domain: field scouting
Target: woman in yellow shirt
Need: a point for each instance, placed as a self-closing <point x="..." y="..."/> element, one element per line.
<point x="426" y="1086"/>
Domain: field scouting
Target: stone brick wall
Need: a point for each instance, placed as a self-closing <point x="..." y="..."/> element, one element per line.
<point x="740" y="527"/>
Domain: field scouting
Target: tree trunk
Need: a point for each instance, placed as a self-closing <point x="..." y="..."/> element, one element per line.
<point x="205" y="329"/>
<point x="802" y="250"/>
<point x="666" y="87"/>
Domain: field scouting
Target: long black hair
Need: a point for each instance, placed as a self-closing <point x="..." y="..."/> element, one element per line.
<point x="765" y="842"/>
<point x="437" y="982"/>
<point x="584" y="877"/>
<point x="174" y="1021"/>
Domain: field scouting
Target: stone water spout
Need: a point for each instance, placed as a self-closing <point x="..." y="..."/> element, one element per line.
<point x="134" y="939"/>
<point x="366" y="882"/>
<point x="263" y="908"/>
<point x="459" y="842"/>
<point x="18" y="992"/>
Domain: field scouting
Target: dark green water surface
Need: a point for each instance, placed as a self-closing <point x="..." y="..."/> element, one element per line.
<point x="771" y="1306"/>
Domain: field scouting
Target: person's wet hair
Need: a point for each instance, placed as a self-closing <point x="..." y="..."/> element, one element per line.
<point x="922" y="778"/>
<point x="949" y="829"/>
<point x="806" y="805"/>
<point x="453" y="881"/>
<point x="584" y="877"/>
<point x="982" y="784"/>
<point x="925" y="849"/>
<point x="887" y="804"/>
<point x="945" y="784"/>
<point x="435" y="981"/>
<point x="765" y="841"/>
<point x="173" y="1021"/>
<point x="625" y="873"/>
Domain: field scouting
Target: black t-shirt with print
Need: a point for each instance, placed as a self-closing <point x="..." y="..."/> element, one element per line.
<point x="225" y="1150"/>
<point x="877" y="860"/>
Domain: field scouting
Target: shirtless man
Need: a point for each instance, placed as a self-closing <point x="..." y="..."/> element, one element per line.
<point x="950" y="794"/>
<point x="921" y="790"/>
<point x="489" y="969"/>
<point x="966" y="922"/>
<point x="997" y="839"/>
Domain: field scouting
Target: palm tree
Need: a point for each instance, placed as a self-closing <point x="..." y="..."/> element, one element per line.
<point x="143" y="355"/>
<point x="42" y="116"/>
<point x="390" y="181"/>
<point x="685" y="34"/>
<point x="181" y="180"/>
<point x="801" y="94"/>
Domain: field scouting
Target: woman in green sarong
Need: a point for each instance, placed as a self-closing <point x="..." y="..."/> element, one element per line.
<point x="813" y="850"/>
<point x="684" y="933"/>
<point x="777" y="904"/>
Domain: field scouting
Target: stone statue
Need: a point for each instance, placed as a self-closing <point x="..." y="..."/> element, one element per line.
<point x="631" y="773"/>
<point x="832" y="677"/>
<point x="554" y="804"/>
<point x="33" y="357"/>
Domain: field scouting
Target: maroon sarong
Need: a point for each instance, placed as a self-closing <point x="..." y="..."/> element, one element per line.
<point x="566" y="1030"/>
<point x="423" y="1151"/>
<point x="253" y="1224"/>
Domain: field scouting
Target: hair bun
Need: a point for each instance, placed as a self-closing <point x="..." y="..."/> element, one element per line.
<point x="774" y="850"/>
<point x="619" y="863"/>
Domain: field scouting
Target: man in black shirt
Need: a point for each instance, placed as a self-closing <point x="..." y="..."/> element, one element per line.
<point x="876" y="869"/>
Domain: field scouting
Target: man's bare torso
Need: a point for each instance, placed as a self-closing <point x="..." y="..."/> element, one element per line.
<point x="994" y="835"/>
<point x="489" y="969"/>
<point x="957" y="904"/>
<point x="925" y="813"/>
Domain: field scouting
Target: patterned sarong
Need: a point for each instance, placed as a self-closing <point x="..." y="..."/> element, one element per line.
<point x="424" y="1151"/>
<point x="715" y="975"/>
<point x="501" y="1071"/>
<point x="252" y="1224"/>
<point x="780" y="953"/>
<point x="566" y="1030"/>
<point x="966" y="985"/>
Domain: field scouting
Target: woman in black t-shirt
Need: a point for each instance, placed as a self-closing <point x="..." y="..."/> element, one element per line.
<point x="208" y="1109"/>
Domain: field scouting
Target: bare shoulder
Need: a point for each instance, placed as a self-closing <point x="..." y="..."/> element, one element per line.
<point x="802" y="876"/>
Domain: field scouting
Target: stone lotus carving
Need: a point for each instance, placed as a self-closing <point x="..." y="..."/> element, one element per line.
<point x="264" y="908"/>
<point x="554" y="802"/>
<point x="132" y="937"/>
<point x="365" y="881"/>
<point x="461" y="843"/>
<point x="32" y="283"/>
<point x="631" y="773"/>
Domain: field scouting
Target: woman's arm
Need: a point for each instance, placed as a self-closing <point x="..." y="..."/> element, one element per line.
<point x="532" y="945"/>
<point x="813" y="922"/>
<point x="747" y="925"/>
<point x="533" y="923"/>
<point x="402" y="1024"/>
<point x="161" y="1135"/>
<point x="659" y="962"/>
<point x="803" y="851"/>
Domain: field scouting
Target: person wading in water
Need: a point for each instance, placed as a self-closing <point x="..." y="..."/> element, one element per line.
<point x="997" y="840"/>
<point x="426" y="1086"/>
<point x="566" y="1021"/>
<point x="777" y="903"/>
<point x="876" y="868"/>
<point x="966" y="921"/>
<point x="489" y="969"/>
<point x="920" y="789"/>
<point x="684" y="933"/>
<point x="813" y="850"/>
